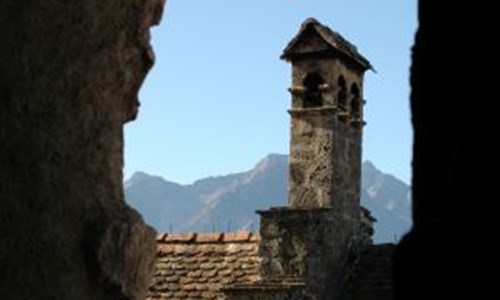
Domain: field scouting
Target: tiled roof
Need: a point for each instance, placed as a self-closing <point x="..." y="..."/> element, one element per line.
<point x="332" y="38"/>
<point x="197" y="266"/>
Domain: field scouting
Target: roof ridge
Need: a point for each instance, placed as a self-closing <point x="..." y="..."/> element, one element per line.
<point x="209" y="237"/>
<point x="333" y="38"/>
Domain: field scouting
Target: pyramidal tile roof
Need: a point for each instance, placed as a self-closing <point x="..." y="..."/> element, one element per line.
<point x="199" y="265"/>
<point x="333" y="39"/>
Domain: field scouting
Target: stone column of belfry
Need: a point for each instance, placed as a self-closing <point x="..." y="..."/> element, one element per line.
<point x="326" y="120"/>
<point x="313" y="238"/>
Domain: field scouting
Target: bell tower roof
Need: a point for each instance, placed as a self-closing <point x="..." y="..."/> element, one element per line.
<point x="315" y="38"/>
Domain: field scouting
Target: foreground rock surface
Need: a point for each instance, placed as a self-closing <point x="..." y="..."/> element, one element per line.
<point x="69" y="76"/>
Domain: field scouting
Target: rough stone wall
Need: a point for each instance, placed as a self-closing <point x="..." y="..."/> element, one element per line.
<point x="447" y="246"/>
<point x="311" y="167"/>
<point x="371" y="279"/>
<point x="69" y="76"/>
<point x="310" y="245"/>
<point x="325" y="143"/>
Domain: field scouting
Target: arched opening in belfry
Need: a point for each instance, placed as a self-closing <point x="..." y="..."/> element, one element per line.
<point x="342" y="94"/>
<point x="312" y="96"/>
<point x="355" y="101"/>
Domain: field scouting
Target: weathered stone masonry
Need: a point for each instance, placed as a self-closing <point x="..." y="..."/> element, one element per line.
<point x="69" y="76"/>
<point x="448" y="184"/>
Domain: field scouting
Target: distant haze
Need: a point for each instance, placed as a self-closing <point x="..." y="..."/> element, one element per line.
<point x="228" y="203"/>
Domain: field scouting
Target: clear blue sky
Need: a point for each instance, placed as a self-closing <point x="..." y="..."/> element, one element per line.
<point x="216" y="100"/>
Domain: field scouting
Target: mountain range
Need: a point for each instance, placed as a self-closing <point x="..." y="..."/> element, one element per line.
<point x="228" y="203"/>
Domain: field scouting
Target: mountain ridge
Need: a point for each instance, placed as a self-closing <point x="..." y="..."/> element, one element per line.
<point x="229" y="202"/>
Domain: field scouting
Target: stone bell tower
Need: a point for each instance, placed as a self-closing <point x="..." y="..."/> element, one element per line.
<point x="313" y="240"/>
<point x="326" y="119"/>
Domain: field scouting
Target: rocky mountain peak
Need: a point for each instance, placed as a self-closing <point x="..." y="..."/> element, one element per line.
<point x="229" y="202"/>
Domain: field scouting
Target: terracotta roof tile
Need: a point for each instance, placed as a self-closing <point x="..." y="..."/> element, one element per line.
<point x="240" y="236"/>
<point x="180" y="237"/>
<point x="255" y="238"/>
<point x="160" y="237"/>
<point x="197" y="266"/>
<point x="165" y="249"/>
<point x="209" y="237"/>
